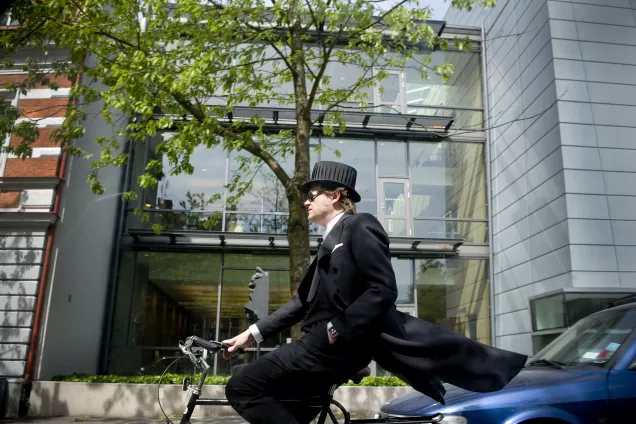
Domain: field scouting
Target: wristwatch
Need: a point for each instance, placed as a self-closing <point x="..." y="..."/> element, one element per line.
<point x="332" y="330"/>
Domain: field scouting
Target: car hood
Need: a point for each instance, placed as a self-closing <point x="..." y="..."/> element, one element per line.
<point x="415" y="402"/>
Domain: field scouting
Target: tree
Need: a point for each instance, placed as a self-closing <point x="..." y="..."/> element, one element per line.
<point x="184" y="66"/>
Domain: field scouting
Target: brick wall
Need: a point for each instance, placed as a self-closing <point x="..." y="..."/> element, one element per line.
<point x="63" y="82"/>
<point x="43" y="108"/>
<point x="10" y="199"/>
<point x="34" y="167"/>
<point x="44" y="140"/>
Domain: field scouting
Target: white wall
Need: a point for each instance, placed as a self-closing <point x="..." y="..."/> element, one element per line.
<point x="82" y="264"/>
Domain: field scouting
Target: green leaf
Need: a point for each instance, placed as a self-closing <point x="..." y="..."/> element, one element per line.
<point x="169" y="378"/>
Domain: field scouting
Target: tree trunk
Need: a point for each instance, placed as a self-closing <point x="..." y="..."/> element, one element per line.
<point x="298" y="237"/>
<point x="298" y="231"/>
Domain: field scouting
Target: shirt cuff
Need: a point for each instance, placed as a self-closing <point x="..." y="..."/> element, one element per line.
<point x="256" y="333"/>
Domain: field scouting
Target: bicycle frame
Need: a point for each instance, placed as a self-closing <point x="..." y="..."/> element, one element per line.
<point x="323" y="403"/>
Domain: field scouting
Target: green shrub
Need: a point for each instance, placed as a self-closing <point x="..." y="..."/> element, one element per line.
<point x="210" y="380"/>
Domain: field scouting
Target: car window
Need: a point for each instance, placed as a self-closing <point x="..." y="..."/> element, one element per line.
<point x="593" y="340"/>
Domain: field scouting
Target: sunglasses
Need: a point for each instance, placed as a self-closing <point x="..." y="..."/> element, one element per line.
<point x="311" y="195"/>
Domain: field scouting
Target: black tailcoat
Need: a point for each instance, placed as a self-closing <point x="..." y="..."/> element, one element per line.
<point x="355" y="274"/>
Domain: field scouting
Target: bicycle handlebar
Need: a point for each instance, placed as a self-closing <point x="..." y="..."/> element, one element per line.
<point x="211" y="346"/>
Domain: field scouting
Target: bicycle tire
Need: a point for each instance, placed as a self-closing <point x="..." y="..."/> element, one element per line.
<point x="345" y="413"/>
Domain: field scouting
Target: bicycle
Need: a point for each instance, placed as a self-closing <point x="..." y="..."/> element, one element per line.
<point x="323" y="403"/>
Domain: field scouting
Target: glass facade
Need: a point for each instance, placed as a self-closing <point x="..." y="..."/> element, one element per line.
<point x="163" y="297"/>
<point x="421" y="189"/>
<point x="429" y="190"/>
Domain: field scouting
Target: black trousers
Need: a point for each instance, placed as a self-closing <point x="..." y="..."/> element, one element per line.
<point x="295" y="373"/>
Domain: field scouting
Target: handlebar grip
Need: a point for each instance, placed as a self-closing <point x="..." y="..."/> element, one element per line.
<point x="211" y="345"/>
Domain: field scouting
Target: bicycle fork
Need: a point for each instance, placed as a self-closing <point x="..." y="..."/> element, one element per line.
<point x="193" y="401"/>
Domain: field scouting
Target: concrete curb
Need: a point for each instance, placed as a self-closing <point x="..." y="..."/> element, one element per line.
<point x="110" y="400"/>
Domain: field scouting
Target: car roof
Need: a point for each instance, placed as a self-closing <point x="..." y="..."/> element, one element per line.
<point x="630" y="305"/>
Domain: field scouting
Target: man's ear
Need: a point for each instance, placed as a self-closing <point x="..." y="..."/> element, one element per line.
<point x="336" y="197"/>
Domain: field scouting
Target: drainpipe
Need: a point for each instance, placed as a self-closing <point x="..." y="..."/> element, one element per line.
<point x="487" y="152"/>
<point x="35" y="332"/>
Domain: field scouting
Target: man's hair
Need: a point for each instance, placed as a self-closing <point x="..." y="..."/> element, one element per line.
<point x="347" y="204"/>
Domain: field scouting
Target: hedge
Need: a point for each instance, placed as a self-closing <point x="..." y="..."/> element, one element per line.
<point x="210" y="380"/>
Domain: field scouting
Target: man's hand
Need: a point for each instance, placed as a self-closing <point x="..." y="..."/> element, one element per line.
<point x="332" y="339"/>
<point x="242" y="341"/>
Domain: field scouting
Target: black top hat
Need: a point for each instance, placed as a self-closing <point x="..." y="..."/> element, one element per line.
<point x="331" y="175"/>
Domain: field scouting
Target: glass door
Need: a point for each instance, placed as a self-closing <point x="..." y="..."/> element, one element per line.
<point x="395" y="207"/>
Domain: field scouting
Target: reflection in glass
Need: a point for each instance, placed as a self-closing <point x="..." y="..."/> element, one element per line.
<point x="235" y="295"/>
<point x="454" y="293"/>
<point x="390" y="90"/>
<point x="160" y="297"/>
<point x="565" y="309"/>
<point x="192" y="192"/>
<point x="267" y="194"/>
<point x="256" y="223"/>
<point x="549" y="313"/>
<point x="392" y="159"/>
<point x="470" y="231"/>
<point x="404" y="280"/>
<point x="463" y="90"/>
<point x="395" y="227"/>
<point x="178" y="220"/>
<point x="361" y="155"/>
<point x="394" y="205"/>
<point x="593" y="341"/>
<point x="343" y="77"/>
<point x="252" y="260"/>
<point x="394" y="199"/>
<point x="579" y="305"/>
<point x="448" y="180"/>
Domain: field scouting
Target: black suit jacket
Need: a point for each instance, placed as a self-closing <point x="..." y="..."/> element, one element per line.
<point x="359" y="283"/>
<point x="357" y="278"/>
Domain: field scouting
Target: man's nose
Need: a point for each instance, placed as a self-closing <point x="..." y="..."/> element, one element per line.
<point x="307" y="203"/>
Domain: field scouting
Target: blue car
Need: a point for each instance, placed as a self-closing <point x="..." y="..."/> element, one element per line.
<point x="586" y="375"/>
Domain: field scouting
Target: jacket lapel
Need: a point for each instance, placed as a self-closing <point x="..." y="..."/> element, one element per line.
<point x="332" y="238"/>
<point x="324" y="252"/>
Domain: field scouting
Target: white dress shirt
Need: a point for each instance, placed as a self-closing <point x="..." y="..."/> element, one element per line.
<point x="253" y="328"/>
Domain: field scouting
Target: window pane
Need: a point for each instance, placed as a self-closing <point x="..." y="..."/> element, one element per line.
<point x="252" y="260"/>
<point x="391" y="159"/>
<point x="470" y="231"/>
<point x="391" y="90"/>
<point x="394" y="199"/>
<point x="454" y="293"/>
<point x="395" y="227"/>
<point x="161" y="298"/>
<point x="256" y="223"/>
<point x="267" y="193"/>
<point x="361" y="155"/>
<point x="189" y="192"/>
<point x="344" y="77"/>
<point x="548" y="313"/>
<point x="236" y="292"/>
<point x="448" y="180"/>
<point x="463" y="90"/>
<point x="404" y="280"/>
<point x="178" y="220"/>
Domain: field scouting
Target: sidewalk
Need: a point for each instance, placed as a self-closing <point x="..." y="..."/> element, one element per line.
<point x="89" y="420"/>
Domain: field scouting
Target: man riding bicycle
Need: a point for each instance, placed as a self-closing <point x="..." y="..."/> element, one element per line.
<point x="346" y="306"/>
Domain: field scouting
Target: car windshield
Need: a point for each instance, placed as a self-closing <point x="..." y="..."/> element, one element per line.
<point x="591" y="341"/>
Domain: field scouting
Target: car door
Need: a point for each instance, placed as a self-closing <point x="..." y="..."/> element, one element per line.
<point x="621" y="382"/>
